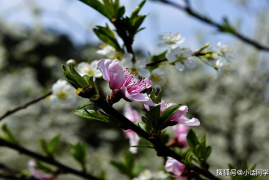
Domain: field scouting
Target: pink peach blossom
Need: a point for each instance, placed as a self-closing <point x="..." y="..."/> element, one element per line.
<point x="176" y="168"/>
<point x="181" y="132"/>
<point x="133" y="116"/>
<point x="128" y="83"/>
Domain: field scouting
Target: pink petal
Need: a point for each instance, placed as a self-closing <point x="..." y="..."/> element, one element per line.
<point x="179" y="114"/>
<point x="131" y="114"/>
<point x="143" y="98"/>
<point x="103" y="65"/>
<point x="173" y="166"/>
<point x="116" y="75"/>
<point x="189" y="122"/>
<point x="134" y="141"/>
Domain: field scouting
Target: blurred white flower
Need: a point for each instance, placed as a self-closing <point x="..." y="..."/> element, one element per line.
<point x="109" y="51"/>
<point x="158" y="78"/>
<point x="71" y="62"/>
<point x="63" y="93"/>
<point x="148" y="175"/>
<point x="223" y="68"/>
<point x="182" y="57"/>
<point x="138" y="67"/>
<point x="171" y="41"/>
<point x="225" y="51"/>
<point x="89" y="69"/>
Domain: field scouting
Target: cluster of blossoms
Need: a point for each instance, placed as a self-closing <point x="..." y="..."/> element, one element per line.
<point x="220" y="57"/>
<point x="180" y="56"/>
<point x="148" y="175"/>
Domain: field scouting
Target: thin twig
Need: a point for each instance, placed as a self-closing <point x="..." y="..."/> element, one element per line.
<point x="9" y="112"/>
<point x="220" y="27"/>
<point x="62" y="168"/>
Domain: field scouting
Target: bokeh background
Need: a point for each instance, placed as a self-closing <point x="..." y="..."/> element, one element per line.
<point x="36" y="37"/>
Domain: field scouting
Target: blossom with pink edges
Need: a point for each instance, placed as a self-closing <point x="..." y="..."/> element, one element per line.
<point x="128" y="84"/>
<point x="176" y="168"/>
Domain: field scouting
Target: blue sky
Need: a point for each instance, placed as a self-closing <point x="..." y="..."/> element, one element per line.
<point x="77" y="20"/>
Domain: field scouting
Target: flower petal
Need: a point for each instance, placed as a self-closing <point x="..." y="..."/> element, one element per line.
<point x="116" y="75"/>
<point x="143" y="98"/>
<point x="103" y="65"/>
<point x="179" y="66"/>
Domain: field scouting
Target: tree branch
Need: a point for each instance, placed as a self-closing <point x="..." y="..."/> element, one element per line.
<point x="161" y="149"/>
<point x="9" y="112"/>
<point x="62" y="168"/>
<point x="220" y="27"/>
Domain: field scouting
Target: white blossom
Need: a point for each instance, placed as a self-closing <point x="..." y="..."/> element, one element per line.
<point x="158" y="78"/>
<point x="63" y="93"/>
<point x="89" y="69"/>
<point x="171" y="41"/>
<point x="225" y="51"/>
<point x="182" y="57"/>
<point x="138" y="67"/>
<point x="108" y="51"/>
<point x="223" y="68"/>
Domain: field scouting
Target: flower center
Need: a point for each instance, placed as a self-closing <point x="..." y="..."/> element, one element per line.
<point x="90" y="72"/>
<point x="61" y="95"/>
<point x="155" y="78"/>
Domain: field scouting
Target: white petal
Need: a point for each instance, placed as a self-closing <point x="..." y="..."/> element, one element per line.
<point x="179" y="66"/>
<point x="190" y="63"/>
<point x="144" y="72"/>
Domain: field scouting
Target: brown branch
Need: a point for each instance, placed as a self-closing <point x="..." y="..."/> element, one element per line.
<point x="196" y="53"/>
<point x="220" y="27"/>
<point x="161" y="149"/>
<point x="9" y="112"/>
<point x="62" y="168"/>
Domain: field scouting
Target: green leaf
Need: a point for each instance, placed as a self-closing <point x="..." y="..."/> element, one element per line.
<point x="44" y="146"/>
<point x="8" y="135"/>
<point x="208" y="152"/>
<point x="79" y="153"/>
<point x="157" y="57"/>
<point x="167" y="114"/>
<point x="192" y="140"/>
<point x="78" y="78"/>
<point x="53" y="143"/>
<point x="120" y="12"/>
<point x="153" y="116"/>
<point x="84" y="105"/>
<point x="135" y="23"/>
<point x="158" y="98"/>
<point x="245" y="166"/>
<point x="226" y="26"/>
<point x="253" y="167"/>
<point x="106" y="35"/>
<point x="43" y="167"/>
<point x="137" y="9"/>
<point x="98" y="6"/>
<point x="91" y="114"/>
<point x="119" y="166"/>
